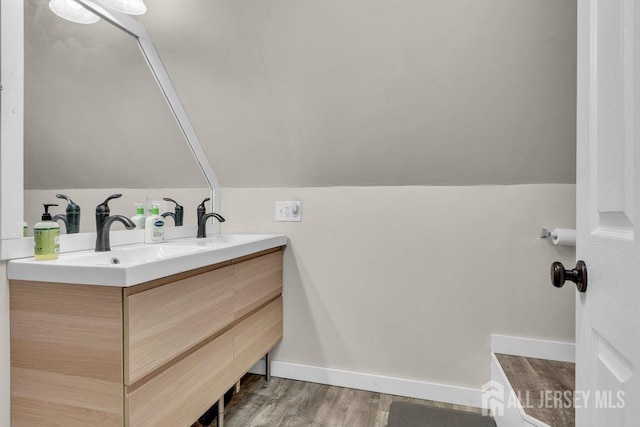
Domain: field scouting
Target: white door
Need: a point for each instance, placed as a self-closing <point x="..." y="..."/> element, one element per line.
<point x="608" y="209"/>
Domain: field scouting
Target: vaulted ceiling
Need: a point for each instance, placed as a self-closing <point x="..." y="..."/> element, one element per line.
<point x="315" y="93"/>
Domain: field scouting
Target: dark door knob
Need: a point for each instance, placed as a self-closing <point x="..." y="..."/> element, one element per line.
<point x="578" y="275"/>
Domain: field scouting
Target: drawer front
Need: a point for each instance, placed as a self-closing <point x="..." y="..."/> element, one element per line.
<point x="255" y="336"/>
<point x="163" y="322"/>
<point x="66" y="355"/>
<point x="182" y="393"/>
<point x="257" y="281"/>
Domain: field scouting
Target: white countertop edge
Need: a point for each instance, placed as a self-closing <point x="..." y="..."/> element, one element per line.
<point x="23" y="247"/>
<point x="30" y="270"/>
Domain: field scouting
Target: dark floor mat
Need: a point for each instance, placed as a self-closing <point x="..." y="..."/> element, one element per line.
<point x="402" y="414"/>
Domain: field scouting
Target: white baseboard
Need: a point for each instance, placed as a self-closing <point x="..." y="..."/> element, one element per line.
<point x="376" y="383"/>
<point x="517" y="346"/>
<point x="540" y="349"/>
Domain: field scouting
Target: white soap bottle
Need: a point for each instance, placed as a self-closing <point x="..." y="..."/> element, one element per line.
<point x="154" y="226"/>
<point x="139" y="219"/>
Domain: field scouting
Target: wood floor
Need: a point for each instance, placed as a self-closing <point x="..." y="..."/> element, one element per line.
<point x="535" y="380"/>
<point x="282" y="402"/>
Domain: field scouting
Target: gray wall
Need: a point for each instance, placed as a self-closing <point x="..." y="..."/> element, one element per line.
<point x="378" y="92"/>
<point x="335" y="92"/>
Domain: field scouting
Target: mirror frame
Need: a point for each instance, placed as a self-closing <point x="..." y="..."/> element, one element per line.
<point x="12" y="244"/>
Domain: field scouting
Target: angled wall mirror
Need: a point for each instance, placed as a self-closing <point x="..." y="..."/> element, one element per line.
<point x="97" y="121"/>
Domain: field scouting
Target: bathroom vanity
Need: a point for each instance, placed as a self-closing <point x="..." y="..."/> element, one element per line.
<point x="150" y="353"/>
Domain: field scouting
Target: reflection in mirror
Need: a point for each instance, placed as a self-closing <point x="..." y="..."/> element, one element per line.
<point x="96" y="124"/>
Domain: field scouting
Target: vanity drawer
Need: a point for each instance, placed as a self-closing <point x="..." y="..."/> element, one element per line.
<point x="257" y="281"/>
<point x="255" y="336"/>
<point x="183" y="392"/>
<point x="163" y="322"/>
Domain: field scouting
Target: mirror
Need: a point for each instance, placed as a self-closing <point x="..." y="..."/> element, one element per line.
<point x="96" y="123"/>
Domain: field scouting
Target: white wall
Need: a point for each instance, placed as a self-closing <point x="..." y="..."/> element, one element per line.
<point x="410" y="282"/>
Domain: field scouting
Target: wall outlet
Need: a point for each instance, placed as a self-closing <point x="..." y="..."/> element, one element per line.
<point x="289" y="210"/>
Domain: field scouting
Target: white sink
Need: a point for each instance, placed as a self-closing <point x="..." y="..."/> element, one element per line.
<point x="133" y="264"/>
<point x="128" y="255"/>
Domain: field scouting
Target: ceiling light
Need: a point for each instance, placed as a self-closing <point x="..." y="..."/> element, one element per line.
<point x="72" y="11"/>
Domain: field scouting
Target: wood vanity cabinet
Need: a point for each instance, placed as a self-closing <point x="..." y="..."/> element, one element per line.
<point x="154" y="354"/>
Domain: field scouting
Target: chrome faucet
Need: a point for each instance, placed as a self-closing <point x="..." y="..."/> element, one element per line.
<point x="203" y="217"/>
<point x="178" y="215"/>
<point x="104" y="221"/>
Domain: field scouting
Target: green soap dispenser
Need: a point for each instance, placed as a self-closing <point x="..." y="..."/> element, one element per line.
<point x="139" y="218"/>
<point x="46" y="235"/>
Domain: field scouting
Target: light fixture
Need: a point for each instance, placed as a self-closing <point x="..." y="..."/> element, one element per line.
<point x="130" y="7"/>
<point x="73" y="11"/>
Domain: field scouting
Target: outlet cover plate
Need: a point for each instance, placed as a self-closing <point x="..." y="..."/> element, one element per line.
<point x="289" y="210"/>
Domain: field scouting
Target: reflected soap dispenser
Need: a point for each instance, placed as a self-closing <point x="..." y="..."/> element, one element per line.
<point x="46" y="235"/>
<point x="154" y="226"/>
<point x="139" y="219"/>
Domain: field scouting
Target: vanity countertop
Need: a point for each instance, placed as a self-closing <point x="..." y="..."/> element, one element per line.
<point x="130" y="265"/>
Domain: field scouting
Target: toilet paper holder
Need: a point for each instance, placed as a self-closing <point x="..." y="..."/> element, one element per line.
<point x="560" y="236"/>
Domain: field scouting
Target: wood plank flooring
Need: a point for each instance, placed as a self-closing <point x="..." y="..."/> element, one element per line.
<point x="535" y="380"/>
<point x="291" y="403"/>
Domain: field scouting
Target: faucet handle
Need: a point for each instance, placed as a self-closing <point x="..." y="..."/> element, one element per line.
<point x="71" y="205"/>
<point x="201" y="205"/>
<point x="178" y="205"/>
<point x="178" y="216"/>
<point x="201" y="211"/>
<point x="104" y="206"/>
<point x="167" y="199"/>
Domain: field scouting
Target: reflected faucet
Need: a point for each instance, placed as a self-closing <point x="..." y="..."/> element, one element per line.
<point x="178" y="215"/>
<point x="71" y="219"/>
<point x="203" y="217"/>
<point x="63" y="218"/>
<point x="104" y="221"/>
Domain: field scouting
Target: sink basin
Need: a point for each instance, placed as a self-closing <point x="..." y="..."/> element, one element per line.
<point x="131" y="255"/>
<point x="133" y="264"/>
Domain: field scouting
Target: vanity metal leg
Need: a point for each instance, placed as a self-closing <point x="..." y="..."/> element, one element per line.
<point x="267" y="365"/>
<point x="221" y="412"/>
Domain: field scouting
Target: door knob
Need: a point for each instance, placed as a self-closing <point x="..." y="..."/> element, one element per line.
<point x="578" y="275"/>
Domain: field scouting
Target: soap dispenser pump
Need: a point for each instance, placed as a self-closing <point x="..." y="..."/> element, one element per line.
<point x="46" y="236"/>
<point x="72" y="215"/>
